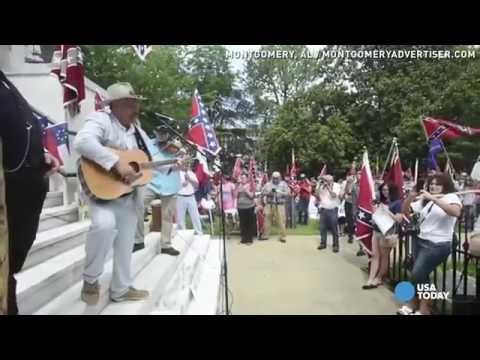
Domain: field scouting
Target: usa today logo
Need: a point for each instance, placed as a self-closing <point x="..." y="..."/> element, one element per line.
<point x="405" y="291"/>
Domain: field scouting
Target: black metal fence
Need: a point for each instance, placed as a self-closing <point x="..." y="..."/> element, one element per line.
<point x="459" y="274"/>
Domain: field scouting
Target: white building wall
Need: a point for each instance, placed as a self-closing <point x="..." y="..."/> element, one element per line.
<point x="45" y="94"/>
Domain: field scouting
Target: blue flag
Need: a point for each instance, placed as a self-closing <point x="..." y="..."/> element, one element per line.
<point x="435" y="146"/>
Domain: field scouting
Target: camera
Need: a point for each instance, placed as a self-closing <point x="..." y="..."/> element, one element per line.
<point x="274" y="190"/>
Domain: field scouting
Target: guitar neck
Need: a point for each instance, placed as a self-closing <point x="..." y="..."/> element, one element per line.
<point x="154" y="164"/>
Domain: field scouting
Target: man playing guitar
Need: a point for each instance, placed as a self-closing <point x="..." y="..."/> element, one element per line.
<point x="113" y="221"/>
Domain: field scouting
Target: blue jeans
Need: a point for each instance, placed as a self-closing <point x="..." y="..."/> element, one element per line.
<point x="428" y="255"/>
<point x="303" y="211"/>
<point x="328" y="221"/>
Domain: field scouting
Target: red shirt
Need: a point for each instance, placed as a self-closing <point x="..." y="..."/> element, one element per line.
<point x="305" y="189"/>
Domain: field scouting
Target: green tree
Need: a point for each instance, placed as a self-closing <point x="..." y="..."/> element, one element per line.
<point x="160" y="78"/>
<point x="271" y="81"/>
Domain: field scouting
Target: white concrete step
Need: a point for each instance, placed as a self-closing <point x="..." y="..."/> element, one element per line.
<point x="201" y="247"/>
<point x="54" y="198"/>
<point x="69" y="303"/>
<point x="206" y="290"/>
<point x="55" y="241"/>
<point x="57" y="216"/>
<point x="39" y="284"/>
<point x="179" y="291"/>
<point x="154" y="278"/>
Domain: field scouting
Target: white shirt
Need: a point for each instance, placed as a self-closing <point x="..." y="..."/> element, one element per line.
<point x="326" y="201"/>
<point x="103" y="130"/>
<point x="187" y="189"/>
<point x="469" y="199"/>
<point x="435" y="225"/>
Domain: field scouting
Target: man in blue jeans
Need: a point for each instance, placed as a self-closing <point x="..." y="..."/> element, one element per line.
<point x="329" y="195"/>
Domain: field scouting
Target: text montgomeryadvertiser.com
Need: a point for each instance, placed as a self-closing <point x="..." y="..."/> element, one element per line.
<point x="353" y="54"/>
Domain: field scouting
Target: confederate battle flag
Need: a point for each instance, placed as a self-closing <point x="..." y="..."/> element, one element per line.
<point x="67" y="66"/>
<point x="200" y="130"/>
<point x="364" y="228"/>
<point x="444" y="130"/>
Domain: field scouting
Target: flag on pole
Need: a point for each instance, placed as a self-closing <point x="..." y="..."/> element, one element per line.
<point x="443" y="129"/>
<point x="435" y="146"/>
<point x="200" y="130"/>
<point x="56" y="141"/>
<point x="294" y="167"/>
<point x="364" y="227"/>
<point x="67" y="67"/>
<point x="395" y="173"/>
<point x="142" y="50"/>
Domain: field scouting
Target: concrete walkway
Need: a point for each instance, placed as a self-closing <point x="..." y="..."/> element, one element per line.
<point x="271" y="278"/>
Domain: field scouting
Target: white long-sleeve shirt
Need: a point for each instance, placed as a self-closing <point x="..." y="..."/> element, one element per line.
<point x="102" y="130"/>
<point x="187" y="187"/>
<point x="326" y="200"/>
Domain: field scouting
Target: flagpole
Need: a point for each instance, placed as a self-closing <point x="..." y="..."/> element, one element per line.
<point x="394" y="141"/>
<point x="423" y="127"/>
<point x="415" y="178"/>
<point x="450" y="164"/>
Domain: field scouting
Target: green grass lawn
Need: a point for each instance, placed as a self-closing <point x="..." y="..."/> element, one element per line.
<point x="303" y="230"/>
<point x="471" y="267"/>
<point x="313" y="228"/>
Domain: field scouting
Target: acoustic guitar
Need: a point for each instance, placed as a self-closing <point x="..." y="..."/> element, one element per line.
<point x="100" y="184"/>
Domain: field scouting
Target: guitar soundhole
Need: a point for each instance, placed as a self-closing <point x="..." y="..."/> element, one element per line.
<point x="134" y="166"/>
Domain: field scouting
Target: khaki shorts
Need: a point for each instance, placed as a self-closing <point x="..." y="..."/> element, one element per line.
<point x="386" y="241"/>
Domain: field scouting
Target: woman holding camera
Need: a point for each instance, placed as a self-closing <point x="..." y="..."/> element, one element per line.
<point x="382" y="244"/>
<point x="438" y="210"/>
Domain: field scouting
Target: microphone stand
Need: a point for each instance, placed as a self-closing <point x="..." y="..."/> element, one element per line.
<point x="163" y="119"/>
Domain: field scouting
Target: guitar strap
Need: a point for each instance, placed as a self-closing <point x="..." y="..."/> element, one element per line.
<point x="141" y="143"/>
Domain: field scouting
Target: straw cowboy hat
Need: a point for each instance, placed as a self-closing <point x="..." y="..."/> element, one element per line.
<point x="121" y="90"/>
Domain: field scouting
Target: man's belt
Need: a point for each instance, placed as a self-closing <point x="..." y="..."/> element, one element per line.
<point x="185" y="195"/>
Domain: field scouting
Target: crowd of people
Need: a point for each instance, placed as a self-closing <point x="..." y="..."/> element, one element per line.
<point x="187" y="186"/>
